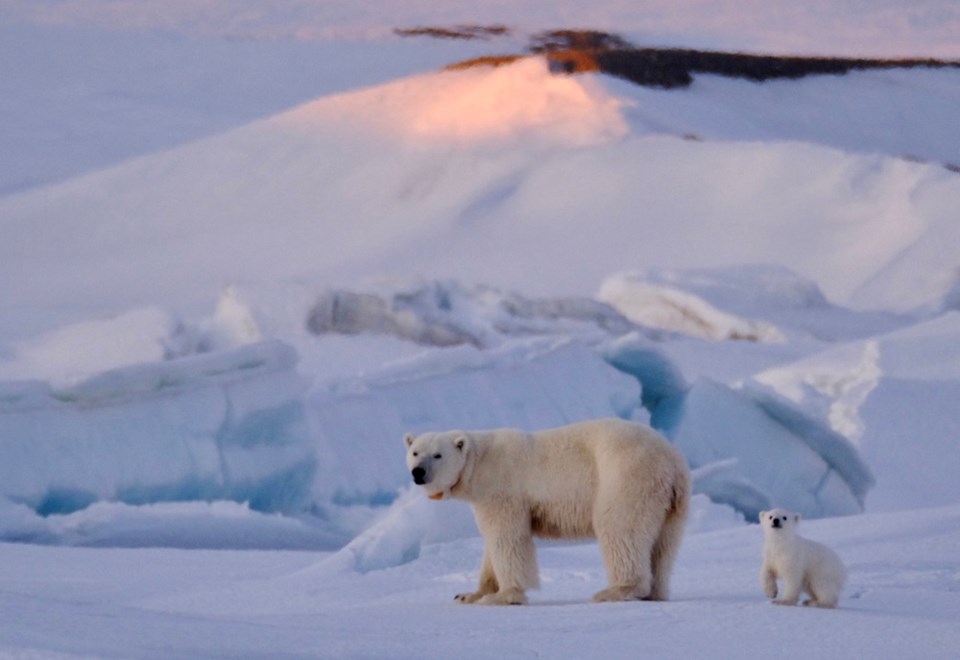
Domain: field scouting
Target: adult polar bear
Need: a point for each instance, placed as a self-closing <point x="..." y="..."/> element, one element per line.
<point x="619" y="482"/>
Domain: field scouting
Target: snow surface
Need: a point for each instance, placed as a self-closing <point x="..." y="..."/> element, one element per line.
<point x="901" y="601"/>
<point x="244" y="251"/>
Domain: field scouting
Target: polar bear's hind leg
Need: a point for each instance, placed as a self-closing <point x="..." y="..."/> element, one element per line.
<point x="626" y="537"/>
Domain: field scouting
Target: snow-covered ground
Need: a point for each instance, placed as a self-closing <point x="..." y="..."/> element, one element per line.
<point x="244" y="251"/>
<point x="901" y="601"/>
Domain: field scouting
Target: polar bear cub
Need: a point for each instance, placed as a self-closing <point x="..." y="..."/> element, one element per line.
<point x="612" y="480"/>
<point x="802" y="565"/>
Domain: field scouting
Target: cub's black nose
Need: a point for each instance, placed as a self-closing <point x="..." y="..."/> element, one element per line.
<point x="418" y="474"/>
<point x="776" y="522"/>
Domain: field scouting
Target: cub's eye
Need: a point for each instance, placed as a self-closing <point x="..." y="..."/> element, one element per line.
<point x="415" y="454"/>
<point x="437" y="456"/>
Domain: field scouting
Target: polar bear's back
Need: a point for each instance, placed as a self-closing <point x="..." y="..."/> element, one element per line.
<point x="823" y="563"/>
<point x="608" y="443"/>
<point x="571" y="462"/>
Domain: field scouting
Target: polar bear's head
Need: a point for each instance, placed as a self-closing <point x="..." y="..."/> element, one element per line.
<point x="436" y="460"/>
<point x="777" y="520"/>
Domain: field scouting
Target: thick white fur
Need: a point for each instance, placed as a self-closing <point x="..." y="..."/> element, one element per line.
<point x="619" y="482"/>
<point x="802" y="565"/>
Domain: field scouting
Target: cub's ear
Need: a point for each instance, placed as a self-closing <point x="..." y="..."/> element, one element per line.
<point x="461" y="443"/>
<point x="762" y="515"/>
<point x="408" y="439"/>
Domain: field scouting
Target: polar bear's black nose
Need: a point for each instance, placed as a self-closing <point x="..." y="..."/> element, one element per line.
<point x="418" y="474"/>
<point x="776" y="522"/>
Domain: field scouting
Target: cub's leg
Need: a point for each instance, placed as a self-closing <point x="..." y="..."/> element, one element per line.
<point x="768" y="580"/>
<point x="792" y="588"/>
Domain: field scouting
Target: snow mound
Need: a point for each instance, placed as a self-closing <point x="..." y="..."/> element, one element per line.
<point x="893" y="395"/>
<point x="744" y="289"/>
<point x="448" y="313"/>
<point x="399" y="535"/>
<point x="77" y="351"/>
<point x="750" y="448"/>
<point x="669" y="308"/>
<point x="786" y="459"/>
<point x="771" y="295"/>
<point x="486" y="104"/>
<point x="226" y="425"/>
<point x="196" y="524"/>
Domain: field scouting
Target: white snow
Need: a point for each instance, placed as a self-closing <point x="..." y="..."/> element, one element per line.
<point x="677" y="310"/>
<point x="244" y="250"/>
<point x="153" y="603"/>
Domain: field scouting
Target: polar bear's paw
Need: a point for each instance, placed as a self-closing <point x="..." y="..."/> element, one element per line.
<point x="614" y="594"/>
<point x="504" y="597"/>
<point x="469" y="598"/>
<point x="508" y="597"/>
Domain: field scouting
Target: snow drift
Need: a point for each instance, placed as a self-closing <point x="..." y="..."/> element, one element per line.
<point x="893" y="397"/>
<point x="226" y="425"/>
<point x="750" y="450"/>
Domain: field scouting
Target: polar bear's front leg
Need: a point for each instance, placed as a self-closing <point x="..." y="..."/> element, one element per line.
<point x="768" y="580"/>
<point x="792" y="587"/>
<point x="488" y="583"/>
<point x="509" y="559"/>
<point x="514" y="561"/>
<point x="489" y="591"/>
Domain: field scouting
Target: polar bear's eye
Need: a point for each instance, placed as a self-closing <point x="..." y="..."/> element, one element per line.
<point x="415" y="454"/>
<point x="437" y="456"/>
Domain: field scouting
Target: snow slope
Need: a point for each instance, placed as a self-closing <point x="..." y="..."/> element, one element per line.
<point x="400" y="179"/>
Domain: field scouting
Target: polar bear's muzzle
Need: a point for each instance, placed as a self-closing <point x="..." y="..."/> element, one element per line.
<point x="419" y="475"/>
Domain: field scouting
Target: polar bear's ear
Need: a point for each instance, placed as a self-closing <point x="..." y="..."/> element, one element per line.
<point x="461" y="443"/>
<point x="408" y="439"/>
<point x="761" y="516"/>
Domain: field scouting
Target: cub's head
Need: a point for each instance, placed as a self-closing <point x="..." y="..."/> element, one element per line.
<point x="778" y="520"/>
<point x="436" y="461"/>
